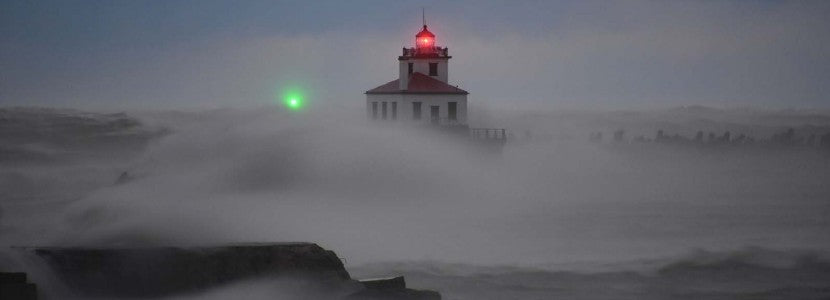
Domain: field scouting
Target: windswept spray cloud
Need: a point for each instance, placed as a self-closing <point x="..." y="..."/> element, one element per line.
<point x="552" y="73"/>
<point x="284" y="177"/>
<point x="376" y="194"/>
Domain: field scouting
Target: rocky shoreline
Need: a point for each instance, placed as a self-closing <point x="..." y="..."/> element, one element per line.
<point x="171" y="271"/>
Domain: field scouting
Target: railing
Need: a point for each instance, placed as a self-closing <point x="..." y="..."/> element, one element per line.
<point x="497" y="134"/>
<point x="442" y="52"/>
<point x="445" y="122"/>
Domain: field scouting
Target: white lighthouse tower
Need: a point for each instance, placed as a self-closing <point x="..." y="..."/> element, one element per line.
<point x="422" y="92"/>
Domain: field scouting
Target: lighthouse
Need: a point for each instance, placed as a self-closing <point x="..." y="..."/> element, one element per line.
<point x="422" y="93"/>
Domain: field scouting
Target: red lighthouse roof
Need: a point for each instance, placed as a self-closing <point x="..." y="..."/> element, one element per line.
<point x="418" y="84"/>
<point x="425" y="33"/>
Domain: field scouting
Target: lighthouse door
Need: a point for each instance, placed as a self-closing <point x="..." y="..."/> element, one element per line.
<point x="433" y="114"/>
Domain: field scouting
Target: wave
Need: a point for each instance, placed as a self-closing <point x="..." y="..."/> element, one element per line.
<point x="43" y="135"/>
<point x="749" y="273"/>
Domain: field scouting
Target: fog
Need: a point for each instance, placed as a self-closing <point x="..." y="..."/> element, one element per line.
<point x="381" y="193"/>
<point x="378" y="193"/>
<point x="158" y="124"/>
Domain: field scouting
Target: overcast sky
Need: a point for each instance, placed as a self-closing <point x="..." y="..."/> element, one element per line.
<point x="552" y="54"/>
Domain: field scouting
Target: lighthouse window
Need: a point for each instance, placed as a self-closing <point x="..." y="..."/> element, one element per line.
<point x="416" y="110"/>
<point x="451" y="110"/>
<point x="375" y="110"/>
<point x="410" y="68"/>
<point x="433" y="69"/>
<point x="394" y="110"/>
<point x="383" y="110"/>
<point x="433" y="114"/>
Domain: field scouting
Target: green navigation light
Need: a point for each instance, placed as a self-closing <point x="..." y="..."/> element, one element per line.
<point x="293" y="100"/>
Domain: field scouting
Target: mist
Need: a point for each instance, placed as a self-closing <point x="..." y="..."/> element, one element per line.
<point x="387" y="194"/>
<point x="551" y="199"/>
<point x="653" y="150"/>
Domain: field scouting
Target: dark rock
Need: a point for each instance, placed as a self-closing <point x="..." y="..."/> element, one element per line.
<point x="13" y="286"/>
<point x="16" y="277"/>
<point x="166" y="271"/>
<point x="391" y="288"/>
<point x="394" y="283"/>
<point x="404" y="294"/>
<point x="153" y="272"/>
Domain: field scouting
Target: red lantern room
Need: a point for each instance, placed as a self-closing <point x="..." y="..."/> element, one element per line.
<point x="425" y="41"/>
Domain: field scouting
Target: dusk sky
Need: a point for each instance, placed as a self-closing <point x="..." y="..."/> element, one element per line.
<point x="519" y="54"/>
